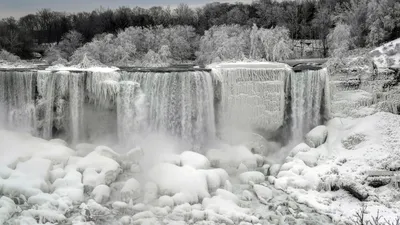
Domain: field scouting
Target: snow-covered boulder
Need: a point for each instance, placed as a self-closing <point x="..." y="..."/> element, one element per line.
<point x="7" y="209"/>
<point x="216" y="178"/>
<point x="107" y="152"/>
<point x="252" y="176"/>
<point x="227" y="195"/>
<point x="166" y="200"/>
<point x="71" y="186"/>
<point x="229" y="158"/>
<point x="310" y="158"/>
<point x="44" y="198"/>
<point x="263" y="193"/>
<point x="274" y="169"/>
<point x="29" y="178"/>
<point x="90" y="178"/>
<point x="172" y="179"/>
<point x="56" y="173"/>
<point x="131" y="190"/>
<point x="302" y="147"/>
<point x="5" y="171"/>
<point x="107" y="167"/>
<point x="101" y="193"/>
<point x="195" y="160"/>
<point x="317" y="136"/>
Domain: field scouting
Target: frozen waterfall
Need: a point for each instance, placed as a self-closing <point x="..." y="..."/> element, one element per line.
<point x="251" y="99"/>
<point x="180" y="104"/>
<point x="309" y="96"/>
<point x="17" y="92"/>
<point x="239" y="103"/>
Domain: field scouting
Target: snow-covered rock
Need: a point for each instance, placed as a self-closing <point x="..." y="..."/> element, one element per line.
<point x="274" y="169"/>
<point x="165" y="201"/>
<point x="252" y="176"/>
<point x="262" y="192"/>
<point x="101" y="193"/>
<point x="194" y="159"/>
<point x="317" y="136"/>
<point x="107" y="152"/>
<point x="190" y="181"/>
<point x="229" y="158"/>
<point x="7" y="209"/>
<point x="302" y="147"/>
<point x="71" y="186"/>
<point x="29" y="178"/>
<point x="56" y="174"/>
<point x="131" y="190"/>
<point x="107" y="167"/>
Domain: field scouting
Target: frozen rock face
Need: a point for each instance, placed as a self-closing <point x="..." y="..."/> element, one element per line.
<point x="359" y="88"/>
<point x="317" y="136"/>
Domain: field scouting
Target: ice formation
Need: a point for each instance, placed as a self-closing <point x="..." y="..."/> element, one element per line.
<point x="195" y="107"/>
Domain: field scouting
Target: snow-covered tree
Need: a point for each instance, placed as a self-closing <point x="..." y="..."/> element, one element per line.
<point x="339" y="39"/>
<point x="276" y="43"/>
<point x="255" y="43"/>
<point x="70" y="42"/>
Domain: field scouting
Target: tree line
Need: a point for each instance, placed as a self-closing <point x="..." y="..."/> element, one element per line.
<point x="368" y="22"/>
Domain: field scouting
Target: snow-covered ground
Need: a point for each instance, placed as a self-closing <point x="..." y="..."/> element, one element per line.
<point x="387" y="55"/>
<point x="46" y="181"/>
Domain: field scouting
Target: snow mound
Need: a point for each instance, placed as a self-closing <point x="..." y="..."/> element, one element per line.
<point x="107" y="167"/>
<point x="172" y="180"/>
<point x="317" y="136"/>
<point x="229" y="158"/>
<point x="29" y="178"/>
<point x="26" y="146"/>
<point x="101" y="193"/>
<point x="131" y="190"/>
<point x="195" y="160"/>
<point x="252" y="176"/>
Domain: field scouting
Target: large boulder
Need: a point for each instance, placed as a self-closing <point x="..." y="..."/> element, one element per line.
<point x="317" y="136"/>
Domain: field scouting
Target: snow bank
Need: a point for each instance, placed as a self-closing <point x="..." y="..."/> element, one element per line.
<point x="172" y="180"/>
<point x="26" y="146"/>
<point x="317" y="136"/>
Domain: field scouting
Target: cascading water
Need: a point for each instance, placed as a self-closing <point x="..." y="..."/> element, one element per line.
<point x="17" y="91"/>
<point x="251" y="99"/>
<point x="308" y="96"/>
<point x="76" y="100"/>
<point x="179" y="103"/>
<point x="246" y="101"/>
<point x="131" y="112"/>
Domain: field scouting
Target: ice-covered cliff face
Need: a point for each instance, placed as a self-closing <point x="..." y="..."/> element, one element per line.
<point x="227" y="101"/>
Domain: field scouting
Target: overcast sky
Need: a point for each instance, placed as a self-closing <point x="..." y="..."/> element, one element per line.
<point x="18" y="8"/>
